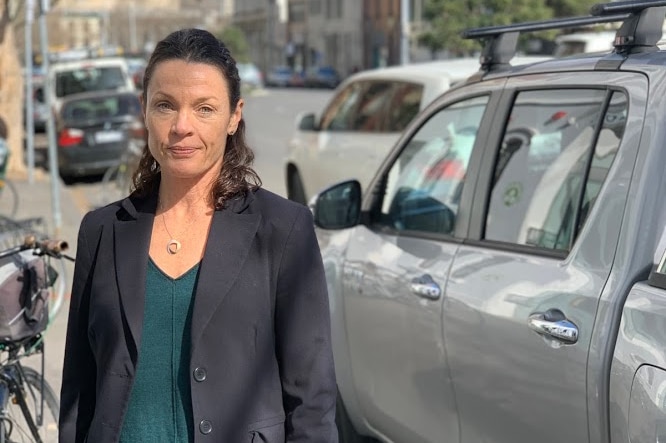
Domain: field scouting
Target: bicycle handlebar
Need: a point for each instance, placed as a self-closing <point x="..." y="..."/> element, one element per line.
<point x="46" y="246"/>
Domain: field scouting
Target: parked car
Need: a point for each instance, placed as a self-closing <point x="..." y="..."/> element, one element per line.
<point x="251" y="77"/>
<point x="503" y="276"/>
<point x="322" y="77"/>
<point x="136" y="67"/>
<point x="88" y="75"/>
<point x="94" y="130"/>
<point x="362" y="122"/>
<point x="279" y="76"/>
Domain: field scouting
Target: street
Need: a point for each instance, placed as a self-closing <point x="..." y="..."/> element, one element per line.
<point x="269" y="115"/>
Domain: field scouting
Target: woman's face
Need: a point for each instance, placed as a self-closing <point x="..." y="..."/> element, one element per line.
<point x="188" y="117"/>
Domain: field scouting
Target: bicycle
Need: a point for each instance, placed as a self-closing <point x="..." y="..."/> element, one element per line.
<point x="29" y="406"/>
<point x="9" y="198"/>
<point x="117" y="179"/>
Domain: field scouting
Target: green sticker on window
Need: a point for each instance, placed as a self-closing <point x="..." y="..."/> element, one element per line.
<point x="513" y="193"/>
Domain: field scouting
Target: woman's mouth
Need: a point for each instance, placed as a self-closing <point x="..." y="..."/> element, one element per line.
<point x="182" y="151"/>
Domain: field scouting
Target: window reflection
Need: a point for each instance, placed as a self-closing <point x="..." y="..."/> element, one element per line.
<point x="553" y="160"/>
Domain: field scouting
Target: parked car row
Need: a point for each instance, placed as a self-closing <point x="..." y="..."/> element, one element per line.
<point x="498" y="271"/>
<point x="314" y="77"/>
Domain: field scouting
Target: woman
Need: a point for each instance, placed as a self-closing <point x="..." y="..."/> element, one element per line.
<point x="199" y="310"/>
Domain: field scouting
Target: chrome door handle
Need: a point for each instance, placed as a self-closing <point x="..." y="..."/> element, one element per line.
<point x="554" y="324"/>
<point x="426" y="287"/>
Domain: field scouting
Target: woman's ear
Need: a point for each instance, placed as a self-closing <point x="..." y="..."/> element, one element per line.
<point x="236" y="117"/>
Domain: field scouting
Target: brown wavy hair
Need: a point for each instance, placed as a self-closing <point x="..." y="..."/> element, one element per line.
<point x="237" y="176"/>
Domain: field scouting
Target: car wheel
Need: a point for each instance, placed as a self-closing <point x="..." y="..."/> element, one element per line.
<point x="68" y="179"/>
<point x="346" y="431"/>
<point x="296" y="192"/>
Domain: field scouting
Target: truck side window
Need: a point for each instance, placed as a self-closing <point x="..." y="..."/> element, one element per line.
<point x="556" y="152"/>
<point x="424" y="185"/>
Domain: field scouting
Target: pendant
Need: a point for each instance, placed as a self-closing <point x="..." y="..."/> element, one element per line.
<point x="173" y="246"/>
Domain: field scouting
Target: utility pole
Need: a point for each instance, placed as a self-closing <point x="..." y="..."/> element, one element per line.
<point x="29" y="103"/>
<point x="132" y="27"/>
<point x="270" y="31"/>
<point x="50" y="124"/>
<point x="404" y="32"/>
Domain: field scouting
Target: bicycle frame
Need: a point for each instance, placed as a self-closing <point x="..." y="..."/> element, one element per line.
<point x="11" y="384"/>
<point x="14" y="386"/>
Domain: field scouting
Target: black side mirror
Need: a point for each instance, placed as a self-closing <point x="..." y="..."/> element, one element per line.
<point x="338" y="207"/>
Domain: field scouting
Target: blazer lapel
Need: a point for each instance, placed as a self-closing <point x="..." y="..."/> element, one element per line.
<point x="229" y="242"/>
<point x="132" y="243"/>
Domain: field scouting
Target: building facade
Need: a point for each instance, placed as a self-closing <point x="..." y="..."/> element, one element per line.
<point x="130" y="26"/>
<point x="350" y="34"/>
<point x="263" y="23"/>
<point x="382" y="32"/>
<point x="334" y="34"/>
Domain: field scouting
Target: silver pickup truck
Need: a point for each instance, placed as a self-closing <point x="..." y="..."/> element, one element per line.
<point x="503" y="280"/>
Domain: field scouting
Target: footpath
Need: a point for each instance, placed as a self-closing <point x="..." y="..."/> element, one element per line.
<point x="35" y="200"/>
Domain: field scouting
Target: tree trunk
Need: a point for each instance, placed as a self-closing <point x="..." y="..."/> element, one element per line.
<point x="11" y="92"/>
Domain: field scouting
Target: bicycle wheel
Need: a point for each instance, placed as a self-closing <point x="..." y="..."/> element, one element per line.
<point x="123" y="179"/>
<point x="110" y="190"/>
<point x="9" y="198"/>
<point x="17" y="427"/>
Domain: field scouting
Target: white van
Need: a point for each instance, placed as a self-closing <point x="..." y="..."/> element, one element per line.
<point x="88" y="75"/>
<point x="583" y="42"/>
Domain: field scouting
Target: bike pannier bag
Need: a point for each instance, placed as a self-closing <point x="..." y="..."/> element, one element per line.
<point x="24" y="294"/>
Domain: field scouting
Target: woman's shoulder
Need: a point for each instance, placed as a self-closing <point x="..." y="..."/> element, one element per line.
<point x="102" y="215"/>
<point x="269" y="202"/>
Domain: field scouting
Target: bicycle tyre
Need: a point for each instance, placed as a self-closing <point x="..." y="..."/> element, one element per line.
<point x="9" y="198"/>
<point x="48" y="431"/>
<point x="110" y="191"/>
<point x="123" y="179"/>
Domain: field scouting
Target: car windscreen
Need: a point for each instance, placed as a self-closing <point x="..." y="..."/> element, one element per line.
<point x="102" y="107"/>
<point x="89" y="79"/>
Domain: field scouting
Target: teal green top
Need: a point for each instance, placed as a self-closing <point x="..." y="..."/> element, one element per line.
<point x="160" y="406"/>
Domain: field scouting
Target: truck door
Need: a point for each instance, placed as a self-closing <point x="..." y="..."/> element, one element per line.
<point x="394" y="274"/>
<point x="524" y="288"/>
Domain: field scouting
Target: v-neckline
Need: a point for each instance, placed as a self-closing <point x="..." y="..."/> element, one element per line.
<point x="167" y="276"/>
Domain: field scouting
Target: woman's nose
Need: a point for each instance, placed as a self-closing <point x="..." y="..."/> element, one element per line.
<point x="181" y="124"/>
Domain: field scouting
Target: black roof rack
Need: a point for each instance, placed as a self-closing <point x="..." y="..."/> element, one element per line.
<point x="640" y="31"/>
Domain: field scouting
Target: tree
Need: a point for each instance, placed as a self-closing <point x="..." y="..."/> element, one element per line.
<point x="449" y="18"/>
<point x="570" y="8"/>
<point x="234" y="39"/>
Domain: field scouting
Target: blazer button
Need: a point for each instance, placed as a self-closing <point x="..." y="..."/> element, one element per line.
<point x="199" y="374"/>
<point x="205" y="427"/>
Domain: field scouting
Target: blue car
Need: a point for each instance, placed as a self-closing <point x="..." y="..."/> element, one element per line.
<point x="322" y="77"/>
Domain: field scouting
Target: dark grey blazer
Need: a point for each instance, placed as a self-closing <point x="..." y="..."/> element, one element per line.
<point x="261" y="362"/>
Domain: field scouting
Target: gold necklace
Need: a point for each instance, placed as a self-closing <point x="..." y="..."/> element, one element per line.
<point x="173" y="245"/>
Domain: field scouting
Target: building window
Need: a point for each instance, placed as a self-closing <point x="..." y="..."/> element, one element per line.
<point x="315" y="7"/>
<point x="297" y="12"/>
